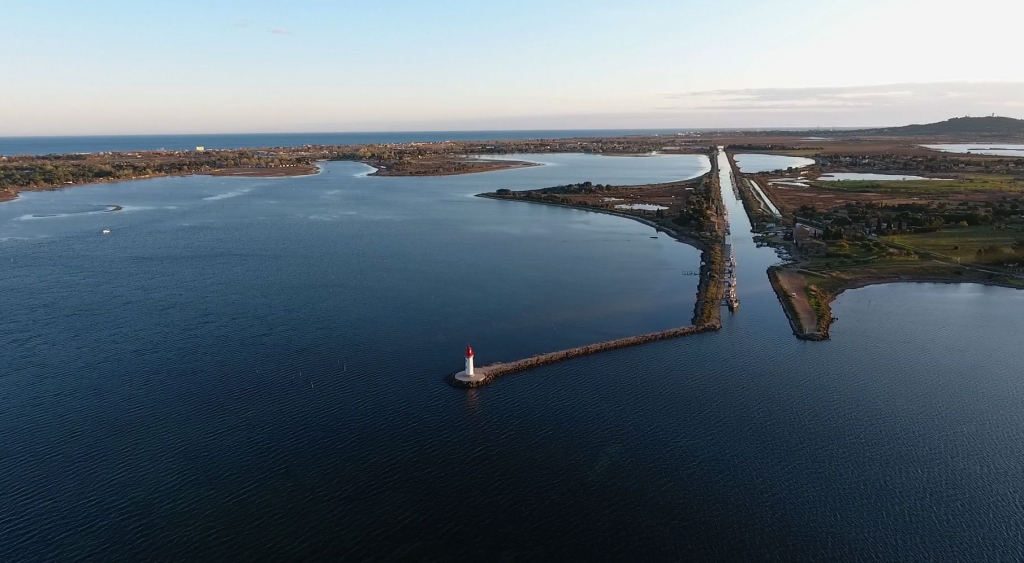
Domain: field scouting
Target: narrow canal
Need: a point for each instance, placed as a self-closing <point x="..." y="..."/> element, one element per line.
<point x="759" y="307"/>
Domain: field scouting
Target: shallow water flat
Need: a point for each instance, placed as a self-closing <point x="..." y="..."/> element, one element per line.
<point x="994" y="149"/>
<point x="861" y="176"/>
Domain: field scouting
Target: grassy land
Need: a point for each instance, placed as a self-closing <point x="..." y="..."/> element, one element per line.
<point x="807" y="153"/>
<point x="834" y="281"/>
<point x="977" y="184"/>
<point x="960" y="243"/>
<point x="818" y="280"/>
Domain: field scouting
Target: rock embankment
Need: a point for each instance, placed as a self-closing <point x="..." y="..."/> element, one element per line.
<point x="804" y="330"/>
<point x="707" y="317"/>
<point x="495" y="371"/>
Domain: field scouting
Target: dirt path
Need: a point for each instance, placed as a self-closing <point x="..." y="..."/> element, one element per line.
<point x="796" y="286"/>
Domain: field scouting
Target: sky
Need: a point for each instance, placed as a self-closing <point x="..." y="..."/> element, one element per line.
<point x="181" y="66"/>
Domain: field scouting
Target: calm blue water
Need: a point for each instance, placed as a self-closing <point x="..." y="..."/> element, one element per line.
<point x="995" y="149"/>
<point x="751" y="163"/>
<point x="64" y="145"/>
<point x="251" y="369"/>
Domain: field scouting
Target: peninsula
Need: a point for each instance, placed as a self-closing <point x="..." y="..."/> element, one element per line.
<point x="44" y="172"/>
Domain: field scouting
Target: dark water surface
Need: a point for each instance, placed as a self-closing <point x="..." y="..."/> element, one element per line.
<point x="103" y="143"/>
<point x="251" y="369"/>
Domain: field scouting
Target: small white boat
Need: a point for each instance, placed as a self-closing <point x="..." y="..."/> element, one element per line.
<point x="106" y="231"/>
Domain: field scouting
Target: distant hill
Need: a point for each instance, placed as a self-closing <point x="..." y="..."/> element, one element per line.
<point x="959" y="125"/>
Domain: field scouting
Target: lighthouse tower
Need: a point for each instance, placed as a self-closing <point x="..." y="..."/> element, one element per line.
<point x="470" y="375"/>
<point x="469" y="361"/>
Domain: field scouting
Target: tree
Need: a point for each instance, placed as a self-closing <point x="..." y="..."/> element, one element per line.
<point x="1018" y="246"/>
<point x="833" y="233"/>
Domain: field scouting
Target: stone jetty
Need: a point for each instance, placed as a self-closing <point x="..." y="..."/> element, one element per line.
<point x="487" y="374"/>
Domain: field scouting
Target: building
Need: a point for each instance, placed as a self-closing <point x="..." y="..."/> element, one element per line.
<point x="469" y="361"/>
<point x="808" y="239"/>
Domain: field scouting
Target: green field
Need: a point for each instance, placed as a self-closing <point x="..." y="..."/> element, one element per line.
<point x="971" y="185"/>
<point x="796" y="152"/>
<point x="959" y="242"/>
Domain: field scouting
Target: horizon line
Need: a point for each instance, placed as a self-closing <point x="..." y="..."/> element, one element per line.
<point x="399" y="131"/>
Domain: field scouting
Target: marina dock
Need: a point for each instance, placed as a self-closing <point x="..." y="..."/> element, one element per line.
<point x="729" y="298"/>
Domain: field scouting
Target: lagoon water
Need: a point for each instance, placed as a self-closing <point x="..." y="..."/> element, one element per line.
<point x="752" y="163"/>
<point x="861" y="176"/>
<point x="996" y="149"/>
<point x="252" y="369"/>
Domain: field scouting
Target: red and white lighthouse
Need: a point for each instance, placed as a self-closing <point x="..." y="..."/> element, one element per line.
<point x="469" y="361"/>
<point x="469" y="375"/>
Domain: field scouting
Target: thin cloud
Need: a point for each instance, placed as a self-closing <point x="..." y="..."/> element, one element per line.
<point x="280" y="32"/>
<point x="995" y="94"/>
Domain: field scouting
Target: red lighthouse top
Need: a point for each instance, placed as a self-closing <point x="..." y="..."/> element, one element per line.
<point x="469" y="351"/>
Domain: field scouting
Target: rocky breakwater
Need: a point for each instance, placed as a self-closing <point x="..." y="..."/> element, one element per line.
<point x="494" y="371"/>
<point x="707" y="317"/>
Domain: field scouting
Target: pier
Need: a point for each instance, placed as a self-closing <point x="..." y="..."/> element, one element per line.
<point x="486" y="374"/>
<point x="729" y="298"/>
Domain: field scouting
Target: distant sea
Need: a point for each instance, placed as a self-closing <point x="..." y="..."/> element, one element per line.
<point x="103" y="143"/>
